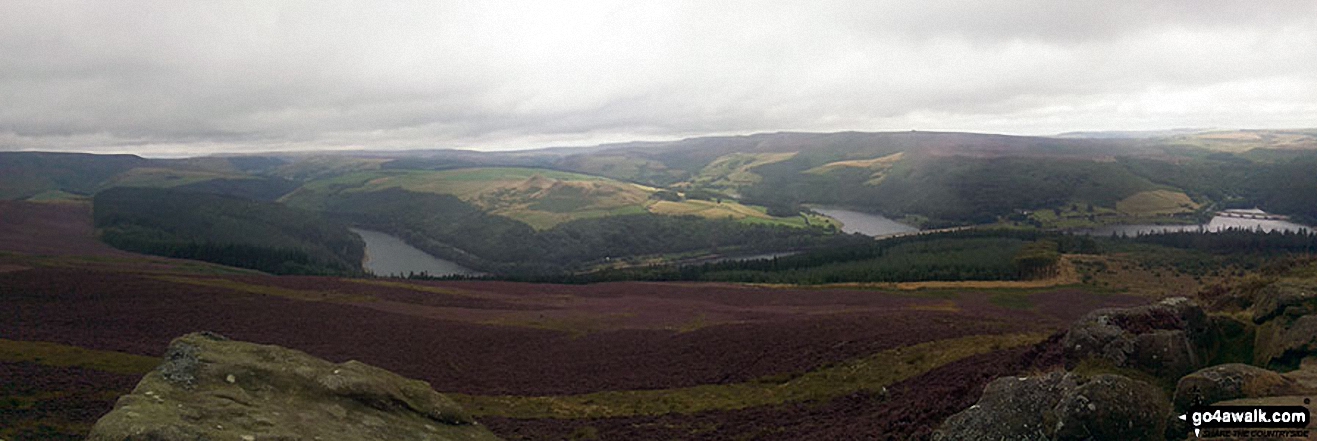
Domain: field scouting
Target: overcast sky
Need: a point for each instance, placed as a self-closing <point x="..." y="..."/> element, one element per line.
<point x="173" y="77"/>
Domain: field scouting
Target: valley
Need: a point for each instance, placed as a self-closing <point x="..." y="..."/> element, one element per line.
<point x="776" y="286"/>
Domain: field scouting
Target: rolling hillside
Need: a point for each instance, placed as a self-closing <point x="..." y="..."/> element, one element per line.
<point x="541" y="198"/>
<point x="501" y="210"/>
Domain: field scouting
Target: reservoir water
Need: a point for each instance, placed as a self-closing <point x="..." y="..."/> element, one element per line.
<point x="1218" y="223"/>
<point x="865" y="223"/>
<point x="390" y="256"/>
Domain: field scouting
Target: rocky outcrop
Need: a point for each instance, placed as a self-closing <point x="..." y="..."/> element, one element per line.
<point x="1111" y="407"/>
<point x="1061" y="406"/>
<point x="1271" y="323"/>
<point x="213" y="388"/>
<point x="1288" y="297"/>
<point x="1229" y="382"/>
<point x="1167" y="339"/>
<point x="1013" y="408"/>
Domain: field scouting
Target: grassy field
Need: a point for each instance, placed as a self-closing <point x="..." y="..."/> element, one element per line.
<point x="1237" y="141"/>
<point x="1153" y="206"/>
<point x="733" y="171"/>
<point x="879" y="166"/>
<point x="729" y="209"/>
<point x="1156" y="203"/>
<point x="56" y="196"/>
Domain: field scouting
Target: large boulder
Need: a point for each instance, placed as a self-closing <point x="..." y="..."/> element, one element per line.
<point x="1229" y="382"/>
<point x="1293" y="297"/>
<point x="210" y="387"/>
<point x="1167" y="339"/>
<point x="1061" y="406"/>
<point x="1283" y="342"/>
<point x="1111" y="407"/>
<point x="1011" y="408"/>
<point x="1286" y="314"/>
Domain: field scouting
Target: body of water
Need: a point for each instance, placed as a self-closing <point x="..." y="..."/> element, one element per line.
<point x="390" y="256"/>
<point x="868" y="224"/>
<point x="1217" y="223"/>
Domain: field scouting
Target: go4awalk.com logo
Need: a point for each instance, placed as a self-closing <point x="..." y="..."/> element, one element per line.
<point x="1248" y="421"/>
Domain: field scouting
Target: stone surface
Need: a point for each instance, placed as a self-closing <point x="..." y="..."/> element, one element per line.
<point x="1297" y="296"/>
<point x="1011" y="408"/>
<point x="1295" y="340"/>
<point x="1284" y="400"/>
<point x="1167" y="339"/>
<point x="1229" y="382"/>
<point x="1061" y="406"/>
<point x="1111" y="407"/>
<point x="211" y="388"/>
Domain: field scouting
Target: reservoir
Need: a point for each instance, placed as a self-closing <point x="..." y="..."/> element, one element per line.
<point x="1218" y="223"/>
<point x="865" y="223"/>
<point x="389" y="256"/>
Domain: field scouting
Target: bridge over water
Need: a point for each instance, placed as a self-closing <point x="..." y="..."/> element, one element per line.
<point x="1252" y="214"/>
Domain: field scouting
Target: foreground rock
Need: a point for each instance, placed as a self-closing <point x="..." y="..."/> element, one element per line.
<point x="1167" y="346"/>
<point x="1232" y="381"/>
<point x="1167" y="339"/>
<point x="1014" y="408"/>
<point x="1061" y="406"/>
<point x="213" y="388"/>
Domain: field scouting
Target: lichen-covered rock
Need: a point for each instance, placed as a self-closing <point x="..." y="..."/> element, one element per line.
<point x="1229" y="382"/>
<point x="1061" y="406"/>
<point x="1286" y="341"/>
<point x="212" y="388"/>
<point x="1111" y="407"/>
<point x="1289" y="296"/>
<point x="1167" y="339"/>
<point x="1011" y="408"/>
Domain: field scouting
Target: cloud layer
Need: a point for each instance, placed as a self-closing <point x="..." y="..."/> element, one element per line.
<point x="203" y="77"/>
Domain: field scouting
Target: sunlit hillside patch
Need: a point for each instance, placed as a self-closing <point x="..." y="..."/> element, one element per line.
<point x="56" y="196"/>
<point x="729" y="209"/>
<point x="541" y="198"/>
<point x="624" y="167"/>
<point x="1238" y="141"/>
<point x="879" y="166"/>
<point x="735" y="170"/>
<point x="1157" y="203"/>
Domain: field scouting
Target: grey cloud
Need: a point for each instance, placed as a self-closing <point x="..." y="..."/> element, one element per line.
<point x="156" y="77"/>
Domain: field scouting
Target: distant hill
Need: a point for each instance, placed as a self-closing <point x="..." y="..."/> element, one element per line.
<point x="498" y="210"/>
<point x="26" y="174"/>
<point x="1214" y="139"/>
<point x="43" y="176"/>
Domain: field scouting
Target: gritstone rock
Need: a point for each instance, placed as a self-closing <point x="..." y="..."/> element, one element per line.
<point x="212" y="388"/>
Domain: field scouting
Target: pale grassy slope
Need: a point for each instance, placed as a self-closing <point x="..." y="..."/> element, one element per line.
<point x="539" y="197"/>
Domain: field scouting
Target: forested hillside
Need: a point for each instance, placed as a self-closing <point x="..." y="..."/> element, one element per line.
<point x="227" y="230"/>
<point x="446" y="226"/>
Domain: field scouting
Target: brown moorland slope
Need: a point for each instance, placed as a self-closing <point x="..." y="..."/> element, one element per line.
<point x="520" y="344"/>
